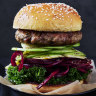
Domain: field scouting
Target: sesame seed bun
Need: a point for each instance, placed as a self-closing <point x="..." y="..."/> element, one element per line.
<point x="48" y="17"/>
<point x="46" y="88"/>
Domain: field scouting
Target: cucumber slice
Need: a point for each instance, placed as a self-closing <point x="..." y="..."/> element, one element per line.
<point x="62" y="47"/>
<point x="34" y="55"/>
<point x="48" y="56"/>
<point x="75" y="55"/>
<point x="61" y="51"/>
<point x="76" y="45"/>
<point x="34" y="49"/>
<point x="51" y="52"/>
<point x="29" y="46"/>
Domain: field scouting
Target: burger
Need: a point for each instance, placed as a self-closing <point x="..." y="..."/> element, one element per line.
<point x="48" y="34"/>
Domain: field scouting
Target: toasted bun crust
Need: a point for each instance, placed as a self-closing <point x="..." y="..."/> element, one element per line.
<point x="48" y="17"/>
<point x="51" y="88"/>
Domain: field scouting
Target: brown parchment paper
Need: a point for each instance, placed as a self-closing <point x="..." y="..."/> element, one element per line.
<point x="75" y="87"/>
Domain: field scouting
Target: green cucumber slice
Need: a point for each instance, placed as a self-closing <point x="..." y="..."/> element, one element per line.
<point x="34" y="49"/>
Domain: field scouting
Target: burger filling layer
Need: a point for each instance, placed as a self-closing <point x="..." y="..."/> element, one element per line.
<point x="50" y="65"/>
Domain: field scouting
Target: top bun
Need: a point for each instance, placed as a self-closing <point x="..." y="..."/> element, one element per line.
<point x="48" y="17"/>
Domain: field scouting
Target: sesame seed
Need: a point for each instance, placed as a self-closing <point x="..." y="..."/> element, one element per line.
<point x="48" y="14"/>
<point x="67" y="12"/>
<point x="23" y="10"/>
<point x="47" y="19"/>
<point x="52" y="7"/>
<point x="36" y="18"/>
<point x="32" y="16"/>
<point x="27" y="8"/>
<point x="71" y="20"/>
<point x="57" y="17"/>
<point x="47" y="8"/>
<point x="35" y="7"/>
<point x="54" y="18"/>
<point x="42" y="9"/>
<point x="53" y="11"/>
<point x="60" y="8"/>
<point x="68" y="16"/>
<point x="45" y="14"/>
<point x="31" y="8"/>
<point x="71" y="11"/>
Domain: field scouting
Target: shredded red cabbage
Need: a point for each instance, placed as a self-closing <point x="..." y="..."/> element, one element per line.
<point x="81" y="64"/>
<point x="47" y="79"/>
<point x="54" y="64"/>
<point x="39" y="61"/>
<point x="13" y="59"/>
<point x="82" y="70"/>
<point x="63" y="73"/>
<point x="27" y="66"/>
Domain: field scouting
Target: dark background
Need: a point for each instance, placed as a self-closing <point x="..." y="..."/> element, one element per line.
<point x="9" y="8"/>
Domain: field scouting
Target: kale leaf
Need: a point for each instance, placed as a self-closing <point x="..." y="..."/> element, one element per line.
<point x="38" y="74"/>
<point x="25" y="75"/>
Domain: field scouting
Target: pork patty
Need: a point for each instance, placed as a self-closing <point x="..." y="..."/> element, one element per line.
<point x="47" y="38"/>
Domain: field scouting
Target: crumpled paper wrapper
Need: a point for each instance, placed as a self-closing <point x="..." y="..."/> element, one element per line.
<point x="75" y="87"/>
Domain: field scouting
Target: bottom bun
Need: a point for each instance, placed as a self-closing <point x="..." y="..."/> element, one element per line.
<point x="49" y="88"/>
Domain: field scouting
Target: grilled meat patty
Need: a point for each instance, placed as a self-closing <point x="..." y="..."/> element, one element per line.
<point x="47" y="38"/>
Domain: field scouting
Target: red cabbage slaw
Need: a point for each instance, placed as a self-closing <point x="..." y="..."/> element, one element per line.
<point x="48" y="78"/>
<point x="13" y="58"/>
<point x="58" y="67"/>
